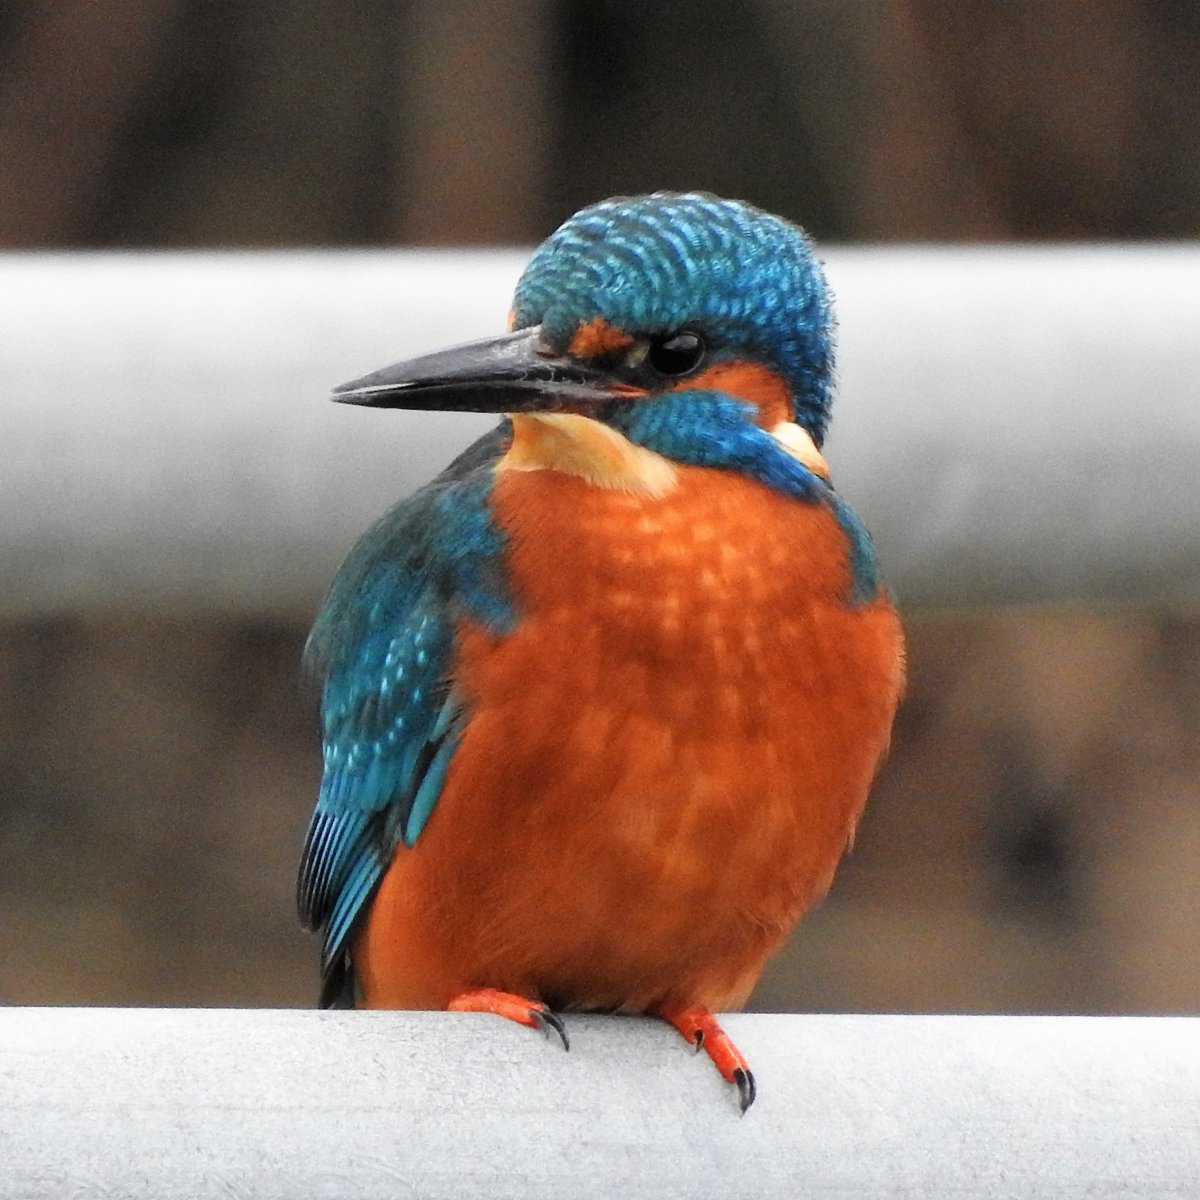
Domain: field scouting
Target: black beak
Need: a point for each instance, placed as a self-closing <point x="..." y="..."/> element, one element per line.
<point x="513" y="373"/>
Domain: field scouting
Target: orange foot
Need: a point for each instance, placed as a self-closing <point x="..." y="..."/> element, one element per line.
<point x="700" y="1028"/>
<point x="516" y="1008"/>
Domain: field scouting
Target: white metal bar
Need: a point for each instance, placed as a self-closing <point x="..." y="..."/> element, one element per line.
<point x="1014" y="423"/>
<point x="199" y="1103"/>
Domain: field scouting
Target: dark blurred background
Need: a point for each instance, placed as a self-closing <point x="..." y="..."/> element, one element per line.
<point x="1032" y="845"/>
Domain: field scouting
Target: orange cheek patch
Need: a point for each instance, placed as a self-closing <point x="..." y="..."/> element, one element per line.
<point x="596" y="338"/>
<point x="753" y="382"/>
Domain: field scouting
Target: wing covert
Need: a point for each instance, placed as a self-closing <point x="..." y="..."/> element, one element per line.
<point x="391" y="719"/>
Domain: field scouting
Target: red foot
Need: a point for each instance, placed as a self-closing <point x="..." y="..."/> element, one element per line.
<point x="700" y="1028"/>
<point x="516" y="1008"/>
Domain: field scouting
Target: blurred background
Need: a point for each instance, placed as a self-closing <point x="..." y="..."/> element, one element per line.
<point x="1033" y="842"/>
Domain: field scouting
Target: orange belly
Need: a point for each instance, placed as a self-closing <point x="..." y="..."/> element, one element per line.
<point x="663" y="764"/>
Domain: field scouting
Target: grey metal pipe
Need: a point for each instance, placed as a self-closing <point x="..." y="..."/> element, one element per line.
<point x="1015" y="424"/>
<point x="256" y="1104"/>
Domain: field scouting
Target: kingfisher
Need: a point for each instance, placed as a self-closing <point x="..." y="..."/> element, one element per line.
<point x="602" y="703"/>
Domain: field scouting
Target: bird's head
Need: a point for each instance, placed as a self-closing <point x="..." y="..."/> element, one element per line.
<point x="672" y="319"/>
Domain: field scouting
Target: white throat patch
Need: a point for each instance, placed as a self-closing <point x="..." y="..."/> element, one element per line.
<point x="590" y="450"/>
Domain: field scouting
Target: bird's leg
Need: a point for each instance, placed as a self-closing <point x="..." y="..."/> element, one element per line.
<point x="533" y="1013"/>
<point x="701" y="1029"/>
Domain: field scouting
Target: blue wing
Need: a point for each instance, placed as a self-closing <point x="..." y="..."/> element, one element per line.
<point x="391" y="719"/>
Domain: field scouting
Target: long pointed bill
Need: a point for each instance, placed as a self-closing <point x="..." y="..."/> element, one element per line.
<point x="503" y="374"/>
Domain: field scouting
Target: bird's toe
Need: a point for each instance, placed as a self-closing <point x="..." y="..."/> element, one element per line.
<point x="516" y="1008"/>
<point x="702" y="1030"/>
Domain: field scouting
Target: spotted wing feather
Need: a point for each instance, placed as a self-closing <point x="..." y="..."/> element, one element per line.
<point x="391" y="719"/>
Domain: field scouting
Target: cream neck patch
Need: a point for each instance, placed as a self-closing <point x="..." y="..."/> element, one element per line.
<point x="590" y="450"/>
<point x="797" y="441"/>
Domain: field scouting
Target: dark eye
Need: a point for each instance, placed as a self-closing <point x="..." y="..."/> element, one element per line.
<point x="676" y="353"/>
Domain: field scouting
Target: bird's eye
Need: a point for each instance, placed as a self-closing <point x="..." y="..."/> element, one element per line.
<point x="676" y="353"/>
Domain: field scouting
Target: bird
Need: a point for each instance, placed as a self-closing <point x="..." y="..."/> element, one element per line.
<point x="601" y="704"/>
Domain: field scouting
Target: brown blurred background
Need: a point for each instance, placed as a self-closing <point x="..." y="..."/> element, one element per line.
<point x="1033" y="843"/>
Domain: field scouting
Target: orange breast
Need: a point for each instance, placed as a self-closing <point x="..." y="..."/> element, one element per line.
<point x="664" y="762"/>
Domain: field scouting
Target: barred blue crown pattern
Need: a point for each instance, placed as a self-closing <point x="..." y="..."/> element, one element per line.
<point x="746" y="279"/>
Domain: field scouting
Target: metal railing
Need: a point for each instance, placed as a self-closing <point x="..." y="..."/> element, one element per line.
<point x="178" y="1103"/>
<point x="1014" y="423"/>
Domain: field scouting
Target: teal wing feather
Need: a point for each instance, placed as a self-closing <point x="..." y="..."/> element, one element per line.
<point x="391" y="719"/>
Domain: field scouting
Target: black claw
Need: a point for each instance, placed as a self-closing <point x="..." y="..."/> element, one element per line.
<point x="746" y="1088"/>
<point x="699" y="1040"/>
<point x="549" y="1020"/>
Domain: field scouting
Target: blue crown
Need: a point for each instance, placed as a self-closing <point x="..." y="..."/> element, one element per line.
<point x="747" y="280"/>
